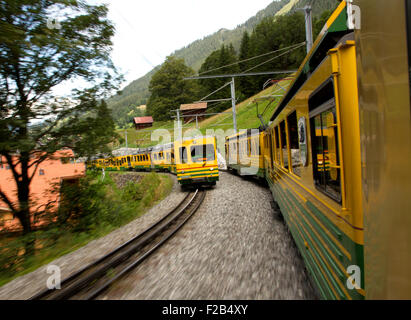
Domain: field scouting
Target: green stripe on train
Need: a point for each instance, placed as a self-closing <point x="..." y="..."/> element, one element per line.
<point x="286" y="201"/>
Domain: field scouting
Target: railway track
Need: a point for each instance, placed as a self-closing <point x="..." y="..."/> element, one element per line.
<point x="92" y="280"/>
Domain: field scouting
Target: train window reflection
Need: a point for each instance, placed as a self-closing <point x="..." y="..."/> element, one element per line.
<point x="326" y="164"/>
<point x="294" y="144"/>
<point x="202" y="153"/>
<point x="284" y="149"/>
<point x="277" y="146"/>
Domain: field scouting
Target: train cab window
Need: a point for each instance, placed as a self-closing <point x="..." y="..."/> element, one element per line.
<point x="326" y="163"/>
<point x="284" y="148"/>
<point x="202" y="153"/>
<point x="294" y="144"/>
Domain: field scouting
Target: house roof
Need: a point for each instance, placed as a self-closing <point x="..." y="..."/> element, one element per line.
<point x="142" y="120"/>
<point x="193" y="106"/>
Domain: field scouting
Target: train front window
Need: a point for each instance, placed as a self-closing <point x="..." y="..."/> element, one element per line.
<point x="326" y="163"/>
<point x="202" y="153"/>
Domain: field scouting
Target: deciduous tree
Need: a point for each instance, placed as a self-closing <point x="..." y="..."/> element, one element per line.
<point x="43" y="45"/>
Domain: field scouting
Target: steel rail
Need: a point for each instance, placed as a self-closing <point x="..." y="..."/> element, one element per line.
<point x="92" y="273"/>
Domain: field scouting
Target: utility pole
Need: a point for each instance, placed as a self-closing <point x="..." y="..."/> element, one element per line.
<point x="178" y="119"/>
<point x="308" y="27"/>
<point x="233" y="104"/>
<point x="232" y="83"/>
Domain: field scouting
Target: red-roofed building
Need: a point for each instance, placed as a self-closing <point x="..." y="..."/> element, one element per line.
<point x="190" y="111"/>
<point x="143" y="122"/>
<point x="44" y="188"/>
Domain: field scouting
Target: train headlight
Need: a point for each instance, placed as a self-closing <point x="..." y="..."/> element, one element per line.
<point x="211" y="169"/>
<point x="182" y="172"/>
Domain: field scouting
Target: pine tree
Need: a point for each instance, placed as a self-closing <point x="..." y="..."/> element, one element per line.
<point x="169" y="90"/>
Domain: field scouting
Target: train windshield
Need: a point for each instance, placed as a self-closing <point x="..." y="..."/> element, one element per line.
<point x="202" y="153"/>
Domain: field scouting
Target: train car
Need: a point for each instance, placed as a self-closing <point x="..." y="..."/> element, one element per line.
<point x="169" y="161"/>
<point x="141" y="161"/>
<point x="315" y="168"/>
<point x="336" y="151"/>
<point x="196" y="161"/>
<point x="244" y="152"/>
<point x="383" y="42"/>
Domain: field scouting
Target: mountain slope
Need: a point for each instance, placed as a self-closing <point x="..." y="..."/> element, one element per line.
<point x="194" y="54"/>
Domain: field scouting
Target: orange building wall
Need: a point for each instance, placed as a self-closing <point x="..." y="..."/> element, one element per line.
<point x="55" y="171"/>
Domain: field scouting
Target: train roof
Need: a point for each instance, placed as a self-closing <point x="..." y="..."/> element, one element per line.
<point x="334" y="29"/>
<point x="247" y="132"/>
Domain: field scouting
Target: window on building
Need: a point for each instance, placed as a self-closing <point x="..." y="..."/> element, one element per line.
<point x="41" y="172"/>
<point x="284" y="148"/>
<point x="324" y="133"/>
<point x="294" y="144"/>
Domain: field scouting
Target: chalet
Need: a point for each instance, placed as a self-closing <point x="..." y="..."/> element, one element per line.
<point x="44" y="188"/>
<point x="190" y="111"/>
<point x="143" y="122"/>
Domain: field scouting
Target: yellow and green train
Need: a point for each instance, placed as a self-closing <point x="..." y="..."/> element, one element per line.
<point x="336" y="153"/>
<point x="193" y="160"/>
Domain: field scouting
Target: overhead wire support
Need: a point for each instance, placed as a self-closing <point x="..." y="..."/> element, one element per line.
<point x="235" y="75"/>
<point x="216" y="100"/>
<point x="222" y="87"/>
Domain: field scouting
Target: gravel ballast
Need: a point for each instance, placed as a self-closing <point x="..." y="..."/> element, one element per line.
<point x="28" y="285"/>
<point x="235" y="247"/>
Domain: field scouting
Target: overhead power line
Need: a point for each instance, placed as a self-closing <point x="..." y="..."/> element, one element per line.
<point x="295" y="47"/>
<point x="252" y="58"/>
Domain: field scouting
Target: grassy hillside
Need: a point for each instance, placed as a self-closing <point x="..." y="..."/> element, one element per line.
<point x="246" y="119"/>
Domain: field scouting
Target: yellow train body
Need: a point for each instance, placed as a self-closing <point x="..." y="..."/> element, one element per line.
<point x="200" y="165"/>
<point x="335" y="153"/>
<point x="196" y="160"/>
